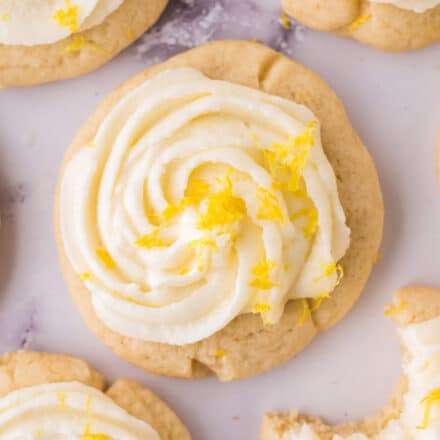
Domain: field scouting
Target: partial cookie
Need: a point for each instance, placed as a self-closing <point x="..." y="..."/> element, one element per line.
<point x="66" y="391"/>
<point x="252" y="342"/>
<point x="75" y="45"/>
<point x="413" y="411"/>
<point x="382" y="25"/>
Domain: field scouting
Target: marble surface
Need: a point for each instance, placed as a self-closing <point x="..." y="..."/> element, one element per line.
<point x="393" y="101"/>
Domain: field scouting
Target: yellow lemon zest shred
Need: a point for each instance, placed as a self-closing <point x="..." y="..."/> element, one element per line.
<point x="305" y="313"/>
<point x="84" y="276"/>
<point x="222" y="207"/>
<point x="220" y="353"/>
<point x="200" y="245"/>
<point x="39" y="433"/>
<point x="269" y="207"/>
<point x="62" y="401"/>
<point x="152" y="240"/>
<point x="284" y="19"/>
<point x="394" y="309"/>
<point x="90" y="144"/>
<point x="196" y="191"/>
<point x="432" y="397"/>
<point x="358" y="22"/>
<point x="319" y="299"/>
<point x="88" y="435"/>
<point x="106" y="258"/>
<point x="287" y="161"/>
<point x="263" y="309"/>
<point x="261" y="273"/>
<point x="79" y="43"/>
<point x="311" y="227"/>
<point x="67" y="17"/>
<point x="130" y="33"/>
<point x="183" y="271"/>
<point x="5" y="17"/>
<point x="329" y="269"/>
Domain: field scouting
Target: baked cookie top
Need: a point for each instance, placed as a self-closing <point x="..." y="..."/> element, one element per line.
<point x="194" y="202"/>
<point x="42" y="40"/>
<point x="390" y="25"/>
<point x="44" y="396"/>
<point x="414" y="412"/>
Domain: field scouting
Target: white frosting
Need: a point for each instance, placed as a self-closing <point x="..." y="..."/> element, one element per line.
<point x="67" y="411"/>
<point x="33" y="22"/>
<point x="422" y="342"/>
<point x="170" y="133"/>
<point x="418" y="6"/>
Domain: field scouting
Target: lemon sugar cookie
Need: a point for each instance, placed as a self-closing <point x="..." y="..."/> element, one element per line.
<point x="43" y="41"/>
<point x="216" y="212"/>
<point x="47" y="396"/>
<point x="390" y="25"/>
<point x="413" y="413"/>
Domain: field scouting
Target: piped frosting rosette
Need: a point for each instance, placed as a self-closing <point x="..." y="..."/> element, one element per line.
<point x="34" y="22"/>
<point x="197" y="201"/>
<point x="67" y="411"/>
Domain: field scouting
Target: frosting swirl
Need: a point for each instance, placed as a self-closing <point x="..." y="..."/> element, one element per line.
<point x="67" y="411"/>
<point x="418" y="6"/>
<point x="33" y="22"/>
<point x="420" y="417"/>
<point x="197" y="201"/>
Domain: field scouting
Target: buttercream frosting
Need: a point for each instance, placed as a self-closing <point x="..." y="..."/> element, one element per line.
<point x="197" y="201"/>
<point x="67" y="411"/>
<point x="34" y="22"/>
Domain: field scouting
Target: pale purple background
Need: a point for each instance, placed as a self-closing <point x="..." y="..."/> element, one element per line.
<point x="394" y="103"/>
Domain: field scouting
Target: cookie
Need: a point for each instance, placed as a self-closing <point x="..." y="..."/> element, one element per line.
<point x="64" y="389"/>
<point x="413" y="411"/>
<point x="389" y="25"/>
<point x="227" y="267"/>
<point x="69" y="37"/>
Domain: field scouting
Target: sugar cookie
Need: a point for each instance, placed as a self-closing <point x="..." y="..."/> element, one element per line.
<point x="390" y="25"/>
<point x="42" y="41"/>
<point x="219" y="243"/>
<point x="46" y="395"/>
<point x="414" y="412"/>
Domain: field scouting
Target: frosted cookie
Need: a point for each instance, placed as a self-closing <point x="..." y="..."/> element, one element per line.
<point x="44" y="40"/>
<point x="414" y="412"/>
<point x="47" y="396"/>
<point x="390" y="25"/>
<point x="216" y="212"/>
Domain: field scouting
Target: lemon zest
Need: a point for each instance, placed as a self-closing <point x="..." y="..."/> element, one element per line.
<point x="106" y="258"/>
<point x="196" y="191"/>
<point x="84" y="276"/>
<point x="183" y="271"/>
<point x="261" y="273"/>
<point x="90" y="144"/>
<point x="5" y="17"/>
<point x="39" y="433"/>
<point x="263" y="309"/>
<point x="200" y="245"/>
<point x="222" y="207"/>
<point x="220" y="353"/>
<point x="130" y="33"/>
<point x="319" y="299"/>
<point x="394" y="309"/>
<point x="358" y="22"/>
<point x="284" y="20"/>
<point x="432" y="397"/>
<point x="305" y="313"/>
<point x="329" y="269"/>
<point x="269" y="208"/>
<point x="311" y="227"/>
<point x="62" y="401"/>
<point x="152" y="240"/>
<point x="80" y="43"/>
<point x="90" y="436"/>
<point x="288" y="161"/>
<point x="67" y="17"/>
